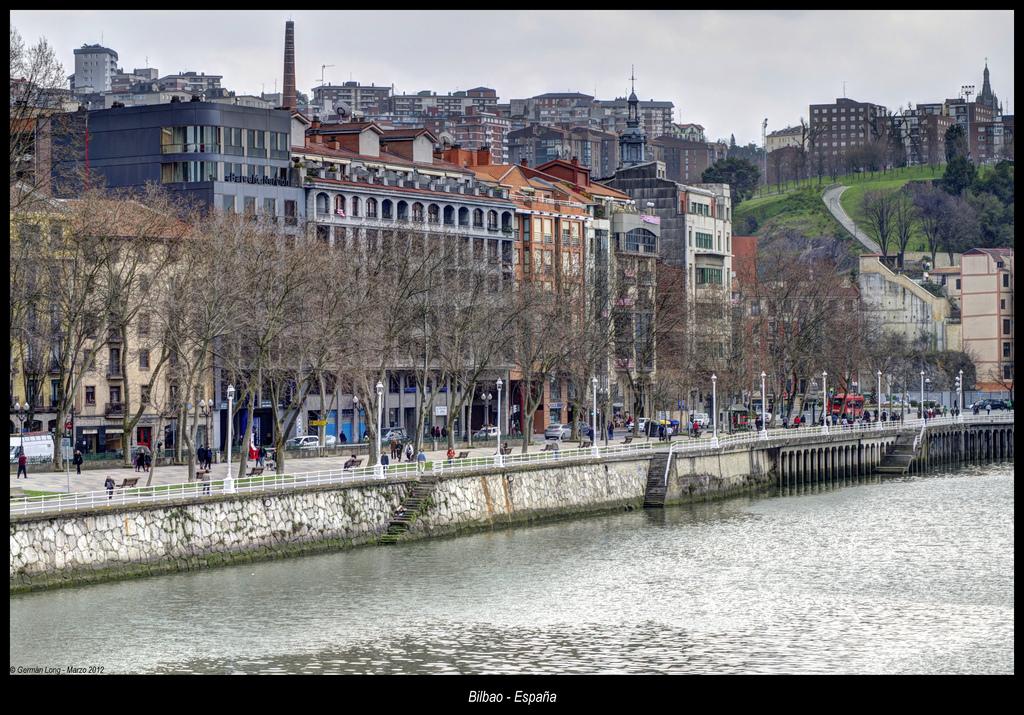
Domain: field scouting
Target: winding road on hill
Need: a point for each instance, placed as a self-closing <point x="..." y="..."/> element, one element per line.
<point x="831" y="199"/>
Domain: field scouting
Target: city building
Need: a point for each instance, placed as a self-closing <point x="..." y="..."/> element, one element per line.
<point x="223" y="156"/>
<point x="198" y="83"/>
<point x="483" y="130"/>
<point x="986" y="298"/>
<point x="685" y="159"/>
<point x="901" y="306"/>
<point x="847" y="124"/>
<point x="357" y="99"/>
<point x="632" y="140"/>
<point x="790" y="136"/>
<point x="537" y="144"/>
<point x="360" y="180"/>
<point x="689" y="132"/>
<point x="95" y="67"/>
<point x="575" y="109"/>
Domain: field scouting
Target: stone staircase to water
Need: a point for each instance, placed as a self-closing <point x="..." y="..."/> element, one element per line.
<point x="899" y="455"/>
<point x="654" y="493"/>
<point x="414" y="503"/>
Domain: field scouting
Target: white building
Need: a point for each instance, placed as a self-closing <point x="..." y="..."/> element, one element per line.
<point x="95" y="67"/>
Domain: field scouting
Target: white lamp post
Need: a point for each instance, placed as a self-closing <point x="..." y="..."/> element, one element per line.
<point x="878" y="412"/>
<point x="921" y="406"/>
<point x="499" y="459"/>
<point x="826" y="408"/>
<point x="593" y="429"/>
<point x="379" y="469"/>
<point x="960" y="395"/>
<point x="22" y="410"/>
<point x="714" y="409"/>
<point x="764" y="409"/>
<point x="355" y="419"/>
<point x="891" y="406"/>
<point x="928" y="389"/>
<point x="229" y="483"/>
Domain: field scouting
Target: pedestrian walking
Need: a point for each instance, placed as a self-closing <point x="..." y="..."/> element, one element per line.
<point x="22" y="465"/>
<point x="262" y="455"/>
<point x="421" y="461"/>
<point x="409" y="453"/>
<point x="147" y="461"/>
<point x="384" y="461"/>
<point x="77" y="461"/>
<point x="611" y="431"/>
<point x="444" y="432"/>
<point x="451" y="454"/>
<point x="109" y="486"/>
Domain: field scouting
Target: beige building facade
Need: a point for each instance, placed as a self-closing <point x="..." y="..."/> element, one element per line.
<point x="986" y="295"/>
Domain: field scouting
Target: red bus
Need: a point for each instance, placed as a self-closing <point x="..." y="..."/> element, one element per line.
<point x="849" y="404"/>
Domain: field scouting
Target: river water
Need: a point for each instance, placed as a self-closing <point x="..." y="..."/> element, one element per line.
<point x="913" y="575"/>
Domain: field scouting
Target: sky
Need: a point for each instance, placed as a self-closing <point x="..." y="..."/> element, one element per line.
<point x="725" y="70"/>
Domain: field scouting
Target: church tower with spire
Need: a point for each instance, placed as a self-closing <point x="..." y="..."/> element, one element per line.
<point x="986" y="97"/>
<point x="632" y="142"/>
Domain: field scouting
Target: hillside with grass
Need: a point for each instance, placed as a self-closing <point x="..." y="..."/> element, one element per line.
<point x="800" y="211"/>
<point x="853" y="197"/>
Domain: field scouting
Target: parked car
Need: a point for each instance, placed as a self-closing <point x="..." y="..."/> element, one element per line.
<point x="486" y="433"/>
<point x="307" y="442"/>
<point x="984" y="404"/>
<point x="558" y="431"/>
<point x="390" y="433"/>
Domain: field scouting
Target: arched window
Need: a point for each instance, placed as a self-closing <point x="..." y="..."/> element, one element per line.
<point x="434" y="213"/>
<point x="355" y="206"/>
<point x="463" y="216"/>
<point x="386" y="209"/>
<point x="403" y="211"/>
<point x="641" y="240"/>
<point x="478" y="218"/>
<point x="506" y="222"/>
<point x="492" y="220"/>
<point x="339" y="205"/>
<point x="371" y="208"/>
<point x="322" y="203"/>
<point x="449" y="215"/>
<point x="417" y="211"/>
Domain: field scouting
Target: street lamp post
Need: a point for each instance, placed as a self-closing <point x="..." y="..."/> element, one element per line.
<point x="921" y="405"/>
<point x="928" y="389"/>
<point x="355" y="419"/>
<point x="499" y="460"/>
<point x="22" y="414"/>
<point x="714" y="409"/>
<point x="593" y="429"/>
<point x="960" y="395"/>
<point x="826" y="409"/>
<point x="764" y="408"/>
<point x="229" y="484"/>
<point x="486" y="397"/>
<point x="379" y="469"/>
<point x="878" y="411"/>
<point x="889" y="378"/>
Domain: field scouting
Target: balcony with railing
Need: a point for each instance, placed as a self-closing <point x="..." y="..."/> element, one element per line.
<point x="114" y="409"/>
<point x="114" y="372"/>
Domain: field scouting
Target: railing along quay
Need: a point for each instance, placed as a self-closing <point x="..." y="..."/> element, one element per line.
<point x="410" y="470"/>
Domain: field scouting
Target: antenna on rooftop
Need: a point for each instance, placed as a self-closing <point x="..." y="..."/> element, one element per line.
<point x="844" y="89"/>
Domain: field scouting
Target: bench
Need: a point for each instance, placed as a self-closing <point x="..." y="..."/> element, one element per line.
<point x="128" y="482"/>
<point x="352" y="464"/>
<point x="629" y="439"/>
<point x="506" y="449"/>
<point x="550" y="447"/>
<point x="200" y="473"/>
<point x="463" y="455"/>
<point x="255" y="472"/>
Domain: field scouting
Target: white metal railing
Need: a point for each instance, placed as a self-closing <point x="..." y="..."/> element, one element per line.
<point x="410" y="470"/>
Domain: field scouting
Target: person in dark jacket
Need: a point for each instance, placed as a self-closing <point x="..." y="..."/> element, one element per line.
<point x="77" y="461"/>
<point x="109" y="486"/>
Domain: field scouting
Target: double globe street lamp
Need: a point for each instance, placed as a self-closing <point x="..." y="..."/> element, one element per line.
<point x="379" y="468"/>
<point x="499" y="459"/>
<point x="229" y="484"/>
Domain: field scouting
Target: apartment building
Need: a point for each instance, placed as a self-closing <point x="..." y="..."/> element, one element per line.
<point x="986" y="296"/>
<point x="845" y="125"/>
<point x="358" y="98"/>
<point x="685" y="160"/>
<point x="95" y="67"/>
<point x="483" y="130"/>
<point x="781" y="138"/>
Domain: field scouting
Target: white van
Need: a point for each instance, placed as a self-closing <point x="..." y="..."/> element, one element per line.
<point x="38" y="448"/>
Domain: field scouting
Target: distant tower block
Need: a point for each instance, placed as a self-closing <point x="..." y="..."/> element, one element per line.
<point x="288" y="99"/>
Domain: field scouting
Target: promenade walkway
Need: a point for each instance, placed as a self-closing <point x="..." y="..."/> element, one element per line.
<point x="831" y="199"/>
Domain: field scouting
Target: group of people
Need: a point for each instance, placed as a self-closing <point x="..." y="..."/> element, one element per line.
<point x="204" y="455"/>
<point x="143" y="461"/>
<point x="439" y="432"/>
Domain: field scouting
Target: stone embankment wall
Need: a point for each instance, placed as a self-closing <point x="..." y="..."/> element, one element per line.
<point x="137" y="540"/>
<point x="717" y="475"/>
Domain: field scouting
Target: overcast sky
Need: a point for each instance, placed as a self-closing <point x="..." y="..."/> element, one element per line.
<point x="726" y="70"/>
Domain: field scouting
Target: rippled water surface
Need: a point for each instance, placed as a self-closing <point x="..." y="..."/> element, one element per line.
<point x="906" y="576"/>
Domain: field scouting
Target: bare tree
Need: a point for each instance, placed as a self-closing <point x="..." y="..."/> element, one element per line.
<point x="904" y="219"/>
<point x="877" y="209"/>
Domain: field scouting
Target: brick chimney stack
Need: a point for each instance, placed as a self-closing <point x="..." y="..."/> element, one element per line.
<point x="288" y="98"/>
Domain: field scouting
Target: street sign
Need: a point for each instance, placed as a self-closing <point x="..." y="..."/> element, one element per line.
<point x="65" y="447"/>
<point x="440" y="410"/>
<point x="67" y="425"/>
